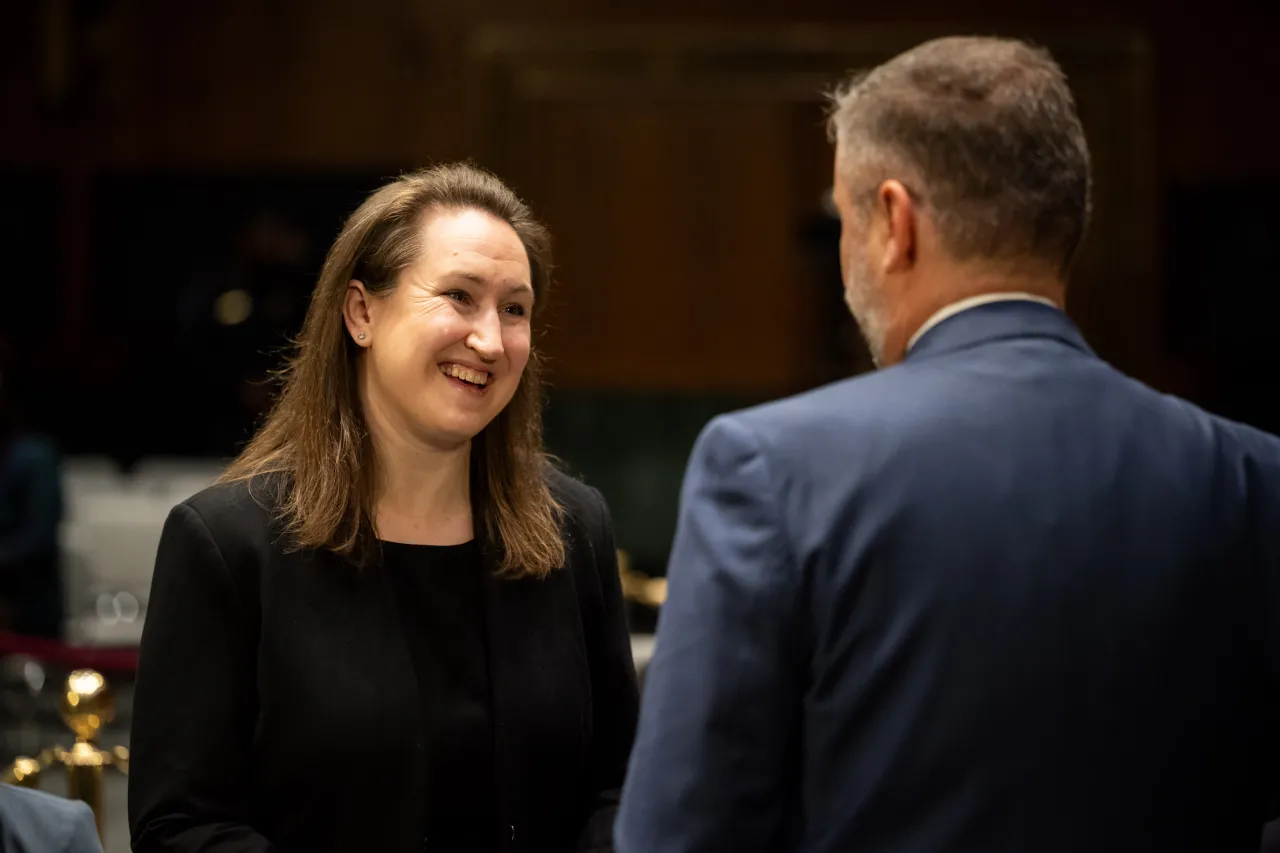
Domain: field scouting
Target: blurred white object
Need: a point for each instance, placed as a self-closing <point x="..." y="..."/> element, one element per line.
<point x="86" y="476"/>
<point x="641" y="650"/>
<point x="175" y="478"/>
<point x="109" y="539"/>
<point x="33" y="676"/>
<point x="23" y="670"/>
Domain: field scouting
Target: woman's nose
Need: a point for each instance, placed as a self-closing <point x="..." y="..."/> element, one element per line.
<point x="485" y="339"/>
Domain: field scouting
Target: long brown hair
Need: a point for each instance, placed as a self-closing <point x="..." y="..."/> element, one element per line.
<point x="313" y="451"/>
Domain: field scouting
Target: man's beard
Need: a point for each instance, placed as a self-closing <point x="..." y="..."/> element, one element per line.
<point x="863" y="298"/>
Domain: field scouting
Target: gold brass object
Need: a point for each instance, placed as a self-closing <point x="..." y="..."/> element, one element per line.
<point x="25" y="772"/>
<point x="638" y="587"/>
<point x="87" y="705"/>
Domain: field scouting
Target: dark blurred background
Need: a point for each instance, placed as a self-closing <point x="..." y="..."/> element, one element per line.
<point x="171" y="175"/>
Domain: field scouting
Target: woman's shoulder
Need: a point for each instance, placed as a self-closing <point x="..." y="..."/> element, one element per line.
<point x="236" y="509"/>
<point x="580" y="501"/>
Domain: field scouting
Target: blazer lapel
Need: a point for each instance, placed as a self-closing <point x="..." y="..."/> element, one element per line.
<point x="506" y="715"/>
<point x="540" y="692"/>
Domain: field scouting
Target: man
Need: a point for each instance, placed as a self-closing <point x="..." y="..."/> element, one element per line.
<point x="995" y="596"/>
<point x="36" y="822"/>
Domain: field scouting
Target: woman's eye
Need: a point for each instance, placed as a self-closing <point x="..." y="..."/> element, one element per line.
<point x="515" y="310"/>
<point x="459" y="295"/>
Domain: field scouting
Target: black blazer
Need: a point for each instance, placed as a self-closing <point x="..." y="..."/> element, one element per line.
<point x="276" y="707"/>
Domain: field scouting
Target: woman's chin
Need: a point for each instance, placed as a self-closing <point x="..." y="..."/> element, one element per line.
<point x="454" y="432"/>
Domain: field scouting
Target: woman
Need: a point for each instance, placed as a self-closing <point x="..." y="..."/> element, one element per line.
<point x="393" y="626"/>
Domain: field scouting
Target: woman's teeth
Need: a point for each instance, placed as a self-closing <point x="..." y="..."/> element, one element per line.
<point x="466" y="374"/>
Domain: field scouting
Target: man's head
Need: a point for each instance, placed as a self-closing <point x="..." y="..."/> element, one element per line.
<point x="961" y="168"/>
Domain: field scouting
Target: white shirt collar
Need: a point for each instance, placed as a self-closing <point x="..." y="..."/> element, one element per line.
<point x="973" y="302"/>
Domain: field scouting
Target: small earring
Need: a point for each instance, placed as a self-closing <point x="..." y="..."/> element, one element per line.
<point x="360" y="336"/>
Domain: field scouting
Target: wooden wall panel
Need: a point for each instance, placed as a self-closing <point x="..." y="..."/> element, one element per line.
<point x="255" y="86"/>
<point x="678" y="165"/>
<point x="266" y="83"/>
<point x="675" y="262"/>
<point x="285" y="85"/>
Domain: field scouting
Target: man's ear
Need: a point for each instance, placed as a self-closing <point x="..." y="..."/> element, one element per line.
<point x="898" y="213"/>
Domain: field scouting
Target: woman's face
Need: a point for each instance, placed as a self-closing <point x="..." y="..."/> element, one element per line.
<point x="446" y="347"/>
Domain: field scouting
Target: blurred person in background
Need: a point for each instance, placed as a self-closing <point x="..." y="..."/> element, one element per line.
<point x="995" y="596"/>
<point x="30" y="515"/>
<point x="393" y="625"/>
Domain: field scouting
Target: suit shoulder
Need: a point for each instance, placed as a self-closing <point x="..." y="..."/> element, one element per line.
<point x="1232" y="436"/>
<point x="81" y="827"/>
<point x="46" y="817"/>
<point x="1251" y="440"/>
<point x="1258" y="449"/>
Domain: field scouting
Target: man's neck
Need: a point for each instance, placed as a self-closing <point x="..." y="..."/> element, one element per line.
<point x="963" y="305"/>
<point x="916" y="312"/>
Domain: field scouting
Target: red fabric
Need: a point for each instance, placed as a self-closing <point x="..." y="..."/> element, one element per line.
<point x="117" y="660"/>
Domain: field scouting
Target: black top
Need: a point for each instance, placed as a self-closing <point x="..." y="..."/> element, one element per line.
<point x="440" y="593"/>
<point x="277" y="707"/>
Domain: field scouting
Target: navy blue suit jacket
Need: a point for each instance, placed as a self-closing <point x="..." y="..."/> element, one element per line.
<point x="997" y="598"/>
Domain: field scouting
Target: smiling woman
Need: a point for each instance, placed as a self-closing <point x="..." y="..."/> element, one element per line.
<point x="446" y="349"/>
<point x="392" y="576"/>
<point x="430" y="265"/>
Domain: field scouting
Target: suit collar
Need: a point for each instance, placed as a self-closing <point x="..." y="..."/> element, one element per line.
<point x="993" y="321"/>
<point x="973" y="302"/>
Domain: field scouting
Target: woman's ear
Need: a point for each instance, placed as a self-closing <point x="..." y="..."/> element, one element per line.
<point x="357" y="312"/>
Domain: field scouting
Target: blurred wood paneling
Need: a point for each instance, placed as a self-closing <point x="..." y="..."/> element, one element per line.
<point x="676" y="256"/>
<point x="674" y="145"/>
<point x="677" y="166"/>
<point x="258" y="83"/>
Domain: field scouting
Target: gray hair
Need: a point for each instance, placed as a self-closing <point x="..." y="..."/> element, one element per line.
<point x="984" y="133"/>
